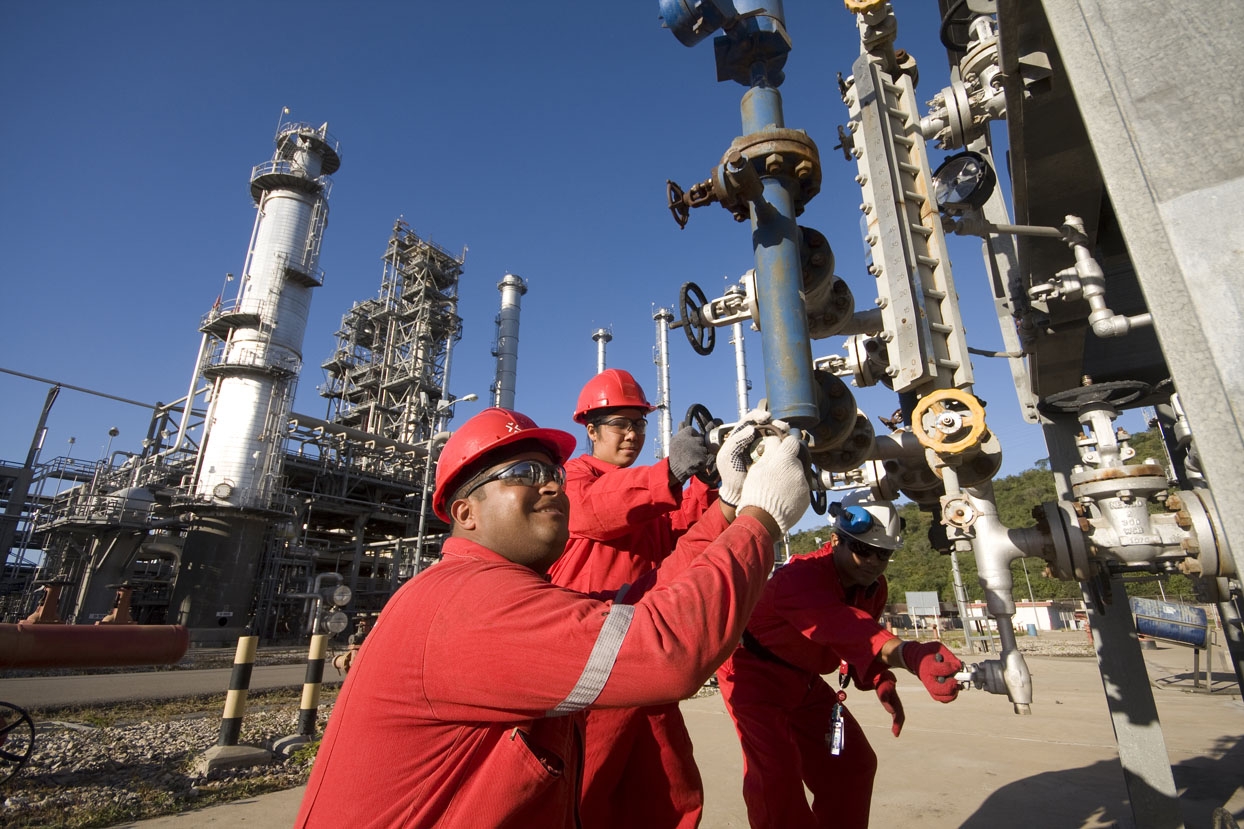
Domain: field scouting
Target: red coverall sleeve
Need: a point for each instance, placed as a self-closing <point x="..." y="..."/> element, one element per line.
<point x="849" y="631"/>
<point x="697" y="497"/>
<point x="498" y="655"/>
<point x="608" y="506"/>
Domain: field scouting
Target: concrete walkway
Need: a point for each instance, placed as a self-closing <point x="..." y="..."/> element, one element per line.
<point x="969" y="764"/>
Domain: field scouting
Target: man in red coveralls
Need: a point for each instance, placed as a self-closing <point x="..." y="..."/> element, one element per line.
<point x="464" y="706"/>
<point x="818" y="613"/>
<point x="624" y="520"/>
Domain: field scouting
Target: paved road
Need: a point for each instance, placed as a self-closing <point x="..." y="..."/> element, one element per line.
<point x="972" y="764"/>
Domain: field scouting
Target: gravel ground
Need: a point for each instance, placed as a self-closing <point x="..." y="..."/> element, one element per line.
<point x="81" y="775"/>
<point x="87" y="776"/>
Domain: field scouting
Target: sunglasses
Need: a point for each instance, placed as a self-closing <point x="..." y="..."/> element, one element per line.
<point x="523" y="473"/>
<point x="863" y="550"/>
<point x="624" y="424"/>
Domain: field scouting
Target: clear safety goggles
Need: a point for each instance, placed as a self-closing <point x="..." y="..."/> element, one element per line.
<point x="625" y="424"/>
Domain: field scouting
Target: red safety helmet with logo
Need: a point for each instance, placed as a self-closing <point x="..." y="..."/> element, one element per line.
<point x="490" y="429"/>
<point x="613" y="388"/>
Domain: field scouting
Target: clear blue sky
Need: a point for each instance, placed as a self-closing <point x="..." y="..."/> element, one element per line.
<point x="540" y="136"/>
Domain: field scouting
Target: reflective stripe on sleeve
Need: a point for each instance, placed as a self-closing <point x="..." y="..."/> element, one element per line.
<point x="600" y="662"/>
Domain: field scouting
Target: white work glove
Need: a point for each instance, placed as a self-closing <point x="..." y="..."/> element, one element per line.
<point x="733" y="457"/>
<point x="776" y="483"/>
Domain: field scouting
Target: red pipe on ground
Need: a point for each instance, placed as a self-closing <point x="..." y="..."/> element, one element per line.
<point x="27" y="645"/>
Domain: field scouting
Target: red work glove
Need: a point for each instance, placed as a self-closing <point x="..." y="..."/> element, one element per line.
<point x="936" y="666"/>
<point x="887" y="692"/>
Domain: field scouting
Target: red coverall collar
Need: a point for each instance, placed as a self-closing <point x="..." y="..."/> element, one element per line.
<point x="465" y="548"/>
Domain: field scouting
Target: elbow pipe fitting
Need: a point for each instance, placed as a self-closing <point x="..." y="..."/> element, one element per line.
<point x="996" y="547"/>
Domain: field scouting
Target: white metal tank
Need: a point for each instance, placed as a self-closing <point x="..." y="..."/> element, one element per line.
<point x="258" y="355"/>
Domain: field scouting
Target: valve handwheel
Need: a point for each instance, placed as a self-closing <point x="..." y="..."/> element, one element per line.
<point x="699" y="416"/>
<point x="949" y="421"/>
<point x="17" y="740"/>
<point x="677" y="203"/>
<point x="700" y="334"/>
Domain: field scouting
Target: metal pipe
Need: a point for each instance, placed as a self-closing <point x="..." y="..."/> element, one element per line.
<point x="34" y="645"/>
<point x="784" y="333"/>
<point x="663" y="318"/>
<point x="996" y="547"/>
<point x="741" y="384"/>
<point x="186" y="411"/>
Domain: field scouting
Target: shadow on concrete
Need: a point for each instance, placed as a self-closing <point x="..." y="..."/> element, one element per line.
<point x="1074" y="797"/>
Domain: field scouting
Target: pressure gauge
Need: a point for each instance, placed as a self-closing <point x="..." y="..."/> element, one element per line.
<point x="963" y="182"/>
<point x="336" y="622"/>
<point x="341" y="595"/>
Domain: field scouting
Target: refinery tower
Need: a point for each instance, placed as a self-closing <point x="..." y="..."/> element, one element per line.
<point x="239" y="513"/>
<point x="252" y="367"/>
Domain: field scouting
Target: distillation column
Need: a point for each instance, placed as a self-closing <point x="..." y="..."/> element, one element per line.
<point x="602" y="338"/>
<point x="253" y="369"/>
<point x="506" y="351"/>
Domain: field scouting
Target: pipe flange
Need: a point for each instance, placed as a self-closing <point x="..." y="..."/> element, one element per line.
<point x="1142" y="479"/>
<point x="851" y="452"/>
<point x="775" y="152"/>
<point x="836" y="405"/>
<point x="1071" y="558"/>
<point x="949" y="421"/>
<point x="915" y="479"/>
<point x="1214" y="553"/>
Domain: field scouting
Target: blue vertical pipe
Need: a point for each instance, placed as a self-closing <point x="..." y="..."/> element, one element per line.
<point x="786" y="345"/>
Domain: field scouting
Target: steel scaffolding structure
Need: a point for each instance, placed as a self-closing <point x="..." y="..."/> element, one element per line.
<point x="389" y="372"/>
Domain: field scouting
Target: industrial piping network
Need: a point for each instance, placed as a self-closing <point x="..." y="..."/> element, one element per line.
<point x="1056" y="306"/>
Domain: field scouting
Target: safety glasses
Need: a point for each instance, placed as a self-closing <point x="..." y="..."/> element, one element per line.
<point x="625" y="424"/>
<point x="522" y="473"/>
<point x="863" y="550"/>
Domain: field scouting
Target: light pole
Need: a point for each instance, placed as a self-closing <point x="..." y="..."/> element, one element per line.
<point x="112" y="433"/>
<point x="447" y="405"/>
<point x="435" y="441"/>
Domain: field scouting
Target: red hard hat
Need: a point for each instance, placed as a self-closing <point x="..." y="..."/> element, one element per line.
<point x="613" y="388"/>
<point x="489" y="430"/>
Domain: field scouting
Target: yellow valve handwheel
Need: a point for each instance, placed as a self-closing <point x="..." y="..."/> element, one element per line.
<point x="861" y="6"/>
<point x="949" y="421"/>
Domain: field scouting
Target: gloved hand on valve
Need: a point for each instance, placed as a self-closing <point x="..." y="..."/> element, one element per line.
<point x="689" y="454"/>
<point x="734" y="456"/>
<point x="776" y="482"/>
<point x="936" y="666"/>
